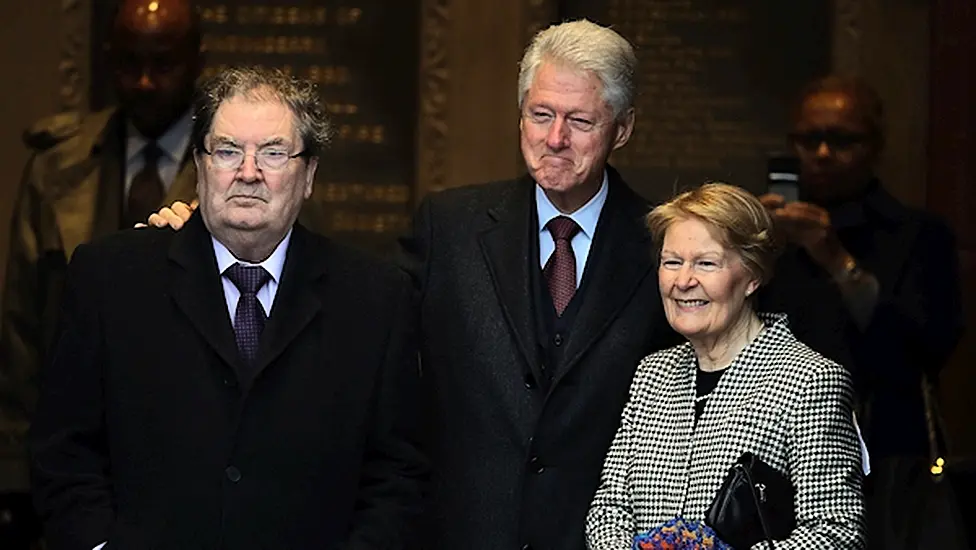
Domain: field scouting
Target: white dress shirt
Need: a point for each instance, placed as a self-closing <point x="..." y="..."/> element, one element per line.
<point x="273" y="265"/>
<point x="586" y="217"/>
<point x="173" y="144"/>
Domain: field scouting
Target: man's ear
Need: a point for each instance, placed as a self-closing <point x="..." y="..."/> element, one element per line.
<point x="625" y="128"/>
<point x="313" y="165"/>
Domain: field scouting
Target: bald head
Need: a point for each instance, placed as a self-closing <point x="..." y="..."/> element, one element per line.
<point x="155" y="50"/>
<point x="156" y="17"/>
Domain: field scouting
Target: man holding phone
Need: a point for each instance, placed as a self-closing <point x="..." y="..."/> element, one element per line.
<point x="895" y="269"/>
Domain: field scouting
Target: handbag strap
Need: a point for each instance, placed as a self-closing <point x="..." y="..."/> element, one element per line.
<point x="935" y="425"/>
<point x="759" y="512"/>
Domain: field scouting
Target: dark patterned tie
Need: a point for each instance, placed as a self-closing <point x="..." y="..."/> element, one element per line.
<point x="249" y="317"/>
<point x="560" y="270"/>
<point x="146" y="192"/>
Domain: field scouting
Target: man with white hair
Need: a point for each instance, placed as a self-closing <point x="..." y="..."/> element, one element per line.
<point x="539" y="296"/>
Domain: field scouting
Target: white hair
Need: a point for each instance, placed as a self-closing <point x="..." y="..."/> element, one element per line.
<point x="585" y="46"/>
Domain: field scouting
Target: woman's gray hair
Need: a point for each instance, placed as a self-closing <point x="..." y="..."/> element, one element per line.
<point x="585" y="46"/>
<point x="261" y="84"/>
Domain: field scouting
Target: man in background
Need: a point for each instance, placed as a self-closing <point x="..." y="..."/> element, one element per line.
<point x="90" y="175"/>
<point x="894" y="270"/>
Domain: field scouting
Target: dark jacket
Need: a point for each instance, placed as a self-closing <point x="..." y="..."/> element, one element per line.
<point x="517" y="446"/>
<point x="148" y="433"/>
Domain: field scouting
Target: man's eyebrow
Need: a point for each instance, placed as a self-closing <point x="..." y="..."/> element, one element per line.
<point x="224" y="140"/>
<point x="273" y="141"/>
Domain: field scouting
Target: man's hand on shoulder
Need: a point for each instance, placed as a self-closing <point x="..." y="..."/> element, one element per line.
<point x="174" y="215"/>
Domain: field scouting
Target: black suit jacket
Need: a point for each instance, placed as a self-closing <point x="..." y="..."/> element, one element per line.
<point x="146" y="435"/>
<point x="516" y="461"/>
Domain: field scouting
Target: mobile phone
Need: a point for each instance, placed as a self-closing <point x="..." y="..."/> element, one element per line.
<point x="783" y="176"/>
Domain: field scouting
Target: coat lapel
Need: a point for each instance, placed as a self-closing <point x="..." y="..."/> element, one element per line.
<point x="621" y="257"/>
<point x="76" y="190"/>
<point x="184" y="187"/>
<point x="197" y="290"/>
<point x="506" y="246"/>
<point x="86" y="193"/>
<point x="297" y="301"/>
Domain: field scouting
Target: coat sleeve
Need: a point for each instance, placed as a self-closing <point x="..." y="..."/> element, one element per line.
<point x="394" y="470"/>
<point x="31" y="298"/>
<point x="824" y="462"/>
<point x="69" y="452"/>
<point x="610" y="523"/>
<point x="920" y="308"/>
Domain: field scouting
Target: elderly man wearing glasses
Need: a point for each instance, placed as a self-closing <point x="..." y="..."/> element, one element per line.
<point x="285" y="415"/>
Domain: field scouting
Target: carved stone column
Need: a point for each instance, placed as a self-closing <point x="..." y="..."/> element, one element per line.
<point x="74" y="69"/>
<point x="432" y="134"/>
<point x="468" y="127"/>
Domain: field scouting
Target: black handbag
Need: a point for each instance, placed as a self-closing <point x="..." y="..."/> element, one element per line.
<point x="914" y="504"/>
<point x="754" y="504"/>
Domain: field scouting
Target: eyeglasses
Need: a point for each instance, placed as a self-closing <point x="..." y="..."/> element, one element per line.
<point x="841" y="141"/>
<point x="267" y="158"/>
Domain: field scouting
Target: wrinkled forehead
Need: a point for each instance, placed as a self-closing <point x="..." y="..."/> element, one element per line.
<point x="253" y="120"/>
<point x="567" y="85"/>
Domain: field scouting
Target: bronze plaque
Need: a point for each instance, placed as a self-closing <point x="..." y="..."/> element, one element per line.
<point x="716" y="81"/>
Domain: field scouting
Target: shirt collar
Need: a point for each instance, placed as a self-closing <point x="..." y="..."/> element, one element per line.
<point x="586" y="217"/>
<point x="173" y="142"/>
<point x="274" y="264"/>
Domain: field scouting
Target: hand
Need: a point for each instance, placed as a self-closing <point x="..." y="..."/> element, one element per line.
<point x="173" y="216"/>
<point x="807" y="225"/>
<point x="772" y="201"/>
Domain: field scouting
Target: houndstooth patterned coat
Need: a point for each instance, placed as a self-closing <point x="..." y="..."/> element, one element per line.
<point x="779" y="399"/>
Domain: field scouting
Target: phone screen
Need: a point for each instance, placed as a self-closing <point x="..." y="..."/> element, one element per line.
<point x="783" y="177"/>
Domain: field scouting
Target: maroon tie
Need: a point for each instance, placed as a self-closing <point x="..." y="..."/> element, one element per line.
<point x="146" y="192"/>
<point x="560" y="270"/>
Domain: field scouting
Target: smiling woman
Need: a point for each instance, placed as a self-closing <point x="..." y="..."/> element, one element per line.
<point x="742" y="386"/>
<point x="716" y="248"/>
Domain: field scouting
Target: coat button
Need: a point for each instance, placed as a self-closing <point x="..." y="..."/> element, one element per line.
<point x="233" y="474"/>
<point x="558" y="339"/>
<point x="526" y="547"/>
<point x="230" y="382"/>
<point x="529" y="382"/>
<point x="535" y="465"/>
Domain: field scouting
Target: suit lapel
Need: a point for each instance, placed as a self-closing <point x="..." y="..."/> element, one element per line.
<point x="197" y="290"/>
<point x="297" y="301"/>
<point x="506" y="246"/>
<point x="184" y="187"/>
<point x="620" y="258"/>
